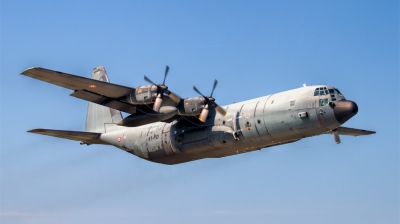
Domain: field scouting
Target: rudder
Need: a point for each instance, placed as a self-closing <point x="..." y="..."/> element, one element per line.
<point x="99" y="116"/>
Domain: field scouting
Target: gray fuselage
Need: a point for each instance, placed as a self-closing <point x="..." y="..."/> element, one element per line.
<point x="249" y="125"/>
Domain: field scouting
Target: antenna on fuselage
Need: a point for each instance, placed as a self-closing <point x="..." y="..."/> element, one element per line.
<point x="304" y="85"/>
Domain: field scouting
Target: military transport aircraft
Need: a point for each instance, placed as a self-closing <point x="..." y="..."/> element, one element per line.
<point x="163" y="127"/>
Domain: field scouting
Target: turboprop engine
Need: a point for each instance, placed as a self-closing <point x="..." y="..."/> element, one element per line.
<point x="192" y="106"/>
<point x="142" y="95"/>
<point x="153" y="94"/>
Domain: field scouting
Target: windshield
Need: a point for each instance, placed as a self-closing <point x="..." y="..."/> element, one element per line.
<point x="336" y="94"/>
<point x="321" y="91"/>
<point x="334" y="91"/>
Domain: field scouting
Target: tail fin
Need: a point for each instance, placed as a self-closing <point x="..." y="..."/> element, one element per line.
<point x="98" y="117"/>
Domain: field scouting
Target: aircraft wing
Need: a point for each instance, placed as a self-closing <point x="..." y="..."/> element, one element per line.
<point x="96" y="91"/>
<point x="85" y="137"/>
<point x="353" y="131"/>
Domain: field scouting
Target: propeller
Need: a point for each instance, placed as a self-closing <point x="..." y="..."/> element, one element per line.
<point x="209" y="101"/>
<point x="161" y="89"/>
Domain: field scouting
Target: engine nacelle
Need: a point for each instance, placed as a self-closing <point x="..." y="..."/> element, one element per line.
<point x="142" y="95"/>
<point x="191" y="106"/>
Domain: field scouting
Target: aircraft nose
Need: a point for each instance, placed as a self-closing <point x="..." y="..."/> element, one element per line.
<point x="344" y="110"/>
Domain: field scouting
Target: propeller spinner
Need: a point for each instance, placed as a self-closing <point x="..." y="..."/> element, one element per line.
<point x="161" y="89"/>
<point x="209" y="101"/>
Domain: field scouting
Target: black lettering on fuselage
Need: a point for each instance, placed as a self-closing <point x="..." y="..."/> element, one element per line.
<point x="154" y="137"/>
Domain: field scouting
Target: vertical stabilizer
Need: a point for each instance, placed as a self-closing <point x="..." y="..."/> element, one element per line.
<point x="98" y="117"/>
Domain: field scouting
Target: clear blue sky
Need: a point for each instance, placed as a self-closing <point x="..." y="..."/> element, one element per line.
<point x="254" y="48"/>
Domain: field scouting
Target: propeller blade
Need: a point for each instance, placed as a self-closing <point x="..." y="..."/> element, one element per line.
<point x="174" y="97"/>
<point x="148" y="80"/>
<point x="197" y="91"/>
<point x="219" y="109"/>
<point x="204" y="114"/>
<point x="336" y="136"/>
<point x="215" y="85"/>
<point x="166" y="73"/>
<point x="157" y="103"/>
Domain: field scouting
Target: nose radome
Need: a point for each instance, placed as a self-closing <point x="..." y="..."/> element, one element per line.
<point x="344" y="110"/>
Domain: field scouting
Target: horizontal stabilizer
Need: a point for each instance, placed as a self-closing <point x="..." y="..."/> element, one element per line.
<point x="353" y="131"/>
<point x="85" y="137"/>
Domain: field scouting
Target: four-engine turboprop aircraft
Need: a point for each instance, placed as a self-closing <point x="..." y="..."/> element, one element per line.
<point x="165" y="128"/>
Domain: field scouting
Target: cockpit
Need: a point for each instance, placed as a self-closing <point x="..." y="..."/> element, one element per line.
<point x="334" y="93"/>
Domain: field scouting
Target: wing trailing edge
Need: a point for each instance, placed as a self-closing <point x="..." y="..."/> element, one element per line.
<point x="84" y="137"/>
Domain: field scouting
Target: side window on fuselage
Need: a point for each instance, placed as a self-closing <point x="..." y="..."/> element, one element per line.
<point x="323" y="102"/>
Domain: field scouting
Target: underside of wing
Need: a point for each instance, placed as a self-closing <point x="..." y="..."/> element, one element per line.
<point x="353" y="131"/>
<point x="96" y="91"/>
<point x="74" y="82"/>
<point x="84" y="137"/>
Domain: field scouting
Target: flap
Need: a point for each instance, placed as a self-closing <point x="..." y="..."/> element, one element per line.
<point x="104" y="101"/>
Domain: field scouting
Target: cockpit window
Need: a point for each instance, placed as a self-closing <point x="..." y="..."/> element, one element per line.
<point x="334" y="91"/>
<point x="331" y="91"/>
<point x="316" y="93"/>
<point x="321" y="91"/>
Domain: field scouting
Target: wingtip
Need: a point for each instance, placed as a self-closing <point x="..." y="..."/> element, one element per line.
<point x="28" y="70"/>
<point x="369" y="132"/>
<point x="36" y="130"/>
